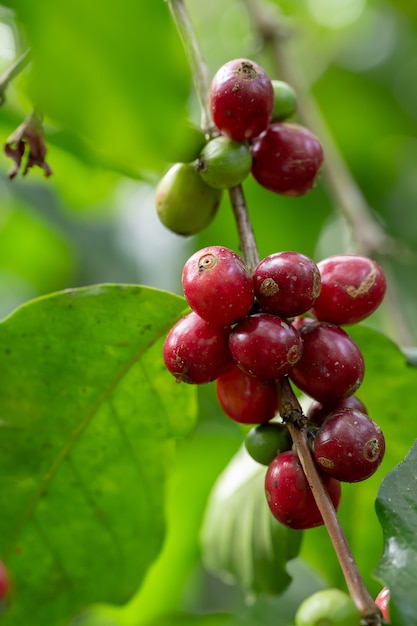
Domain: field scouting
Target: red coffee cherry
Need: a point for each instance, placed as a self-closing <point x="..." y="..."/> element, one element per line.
<point x="331" y="367"/>
<point x="353" y="287"/>
<point x="241" y="99"/>
<point x="195" y="351"/>
<point x="289" y="496"/>
<point x="286" y="283"/>
<point x="317" y="412"/>
<point x="349" y="445"/>
<point x="246" y="399"/>
<point x="265" y="346"/>
<point x="382" y="602"/>
<point x="4" y="583"/>
<point x="217" y="285"/>
<point x="286" y="159"/>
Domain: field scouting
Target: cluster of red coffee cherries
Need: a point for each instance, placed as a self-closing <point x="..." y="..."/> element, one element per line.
<point x="247" y="331"/>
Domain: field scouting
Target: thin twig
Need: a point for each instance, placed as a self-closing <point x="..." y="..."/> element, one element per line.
<point x="244" y="227"/>
<point x="291" y="412"/>
<point x="195" y="59"/>
<point x="11" y="72"/>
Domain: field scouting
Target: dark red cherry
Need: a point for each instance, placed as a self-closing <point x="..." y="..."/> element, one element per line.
<point x="289" y="496"/>
<point x="246" y="399"/>
<point x="286" y="283"/>
<point x="195" y="351"/>
<point x="317" y="412"/>
<point x="349" y="445"/>
<point x="353" y="287"/>
<point x="286" y="159"/>
<point x="241" y="99"/>
<point x="265" y="346"/>
<point x="331" y="367"/>
<point x="217" y="285"/>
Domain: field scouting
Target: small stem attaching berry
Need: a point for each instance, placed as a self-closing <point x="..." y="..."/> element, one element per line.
<point x="195" y="59"/>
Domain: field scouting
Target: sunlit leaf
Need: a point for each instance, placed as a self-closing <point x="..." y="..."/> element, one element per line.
<point x="396" y="506"/>
<point x="88" y="418"/>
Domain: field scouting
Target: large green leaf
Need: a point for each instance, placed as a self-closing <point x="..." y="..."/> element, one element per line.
<point x="88" y="419"/>
<point x="114" y="75"/>
<point x="242" y="542"/>
<point x="396" y="506"/>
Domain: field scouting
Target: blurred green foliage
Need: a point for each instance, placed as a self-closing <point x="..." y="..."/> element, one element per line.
<point x="112" y="82"/>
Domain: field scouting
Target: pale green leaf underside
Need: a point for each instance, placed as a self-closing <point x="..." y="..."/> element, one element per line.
<point x="88" y="415"/>
<point x="242" y="542"/>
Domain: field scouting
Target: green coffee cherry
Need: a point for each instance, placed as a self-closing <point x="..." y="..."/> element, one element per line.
<point x="284" y="100"/>
<point x="328" y="607"/>
<point x="184" y="202"/>
<point x="224" y="163"/>
<point x="266" y="441"/>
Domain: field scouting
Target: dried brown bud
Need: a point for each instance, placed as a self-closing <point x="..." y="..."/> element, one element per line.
<point x="29" y="134"/>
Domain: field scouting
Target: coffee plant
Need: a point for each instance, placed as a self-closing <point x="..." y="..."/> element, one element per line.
<point x="207" y="342"/>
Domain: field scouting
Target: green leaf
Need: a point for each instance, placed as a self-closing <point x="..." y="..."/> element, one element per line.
<point x="113" y="75"/>
<point x="88" y="418"/>
<point x="396" y="507"/>
<point x="241" y="539"/>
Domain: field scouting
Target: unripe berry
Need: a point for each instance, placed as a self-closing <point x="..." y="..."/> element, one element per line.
<point x="224" y="163"/>
<point x="195" y="351"/>
<point x="286" y="159"/>
<point x="184" y="202"/>
<point x="331" y="607"/>
<point x="241" y="99"/>
<point x="217" y="285"/>
<point x="284" y="100"/>
<point x="266" y="441"/>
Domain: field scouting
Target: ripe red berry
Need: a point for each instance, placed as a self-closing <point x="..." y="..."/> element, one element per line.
<point x="331" y="367"/>
<point x="289" y="496"/>
<point x="195" y="351"/>
<point x="217" y="285"/>
<point x="4" y="582"/>
<point x="353" y="287"/>
<point x="349" y="445"/>
<point x="246" y="399"/>
<point x="265" y="346"/>
<point x="241" y="99"/>
<point x="286" y="159"/>
<point x="382" y="602"/>
<point x="317" y="412"/>
<point x="286" y="283"/>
